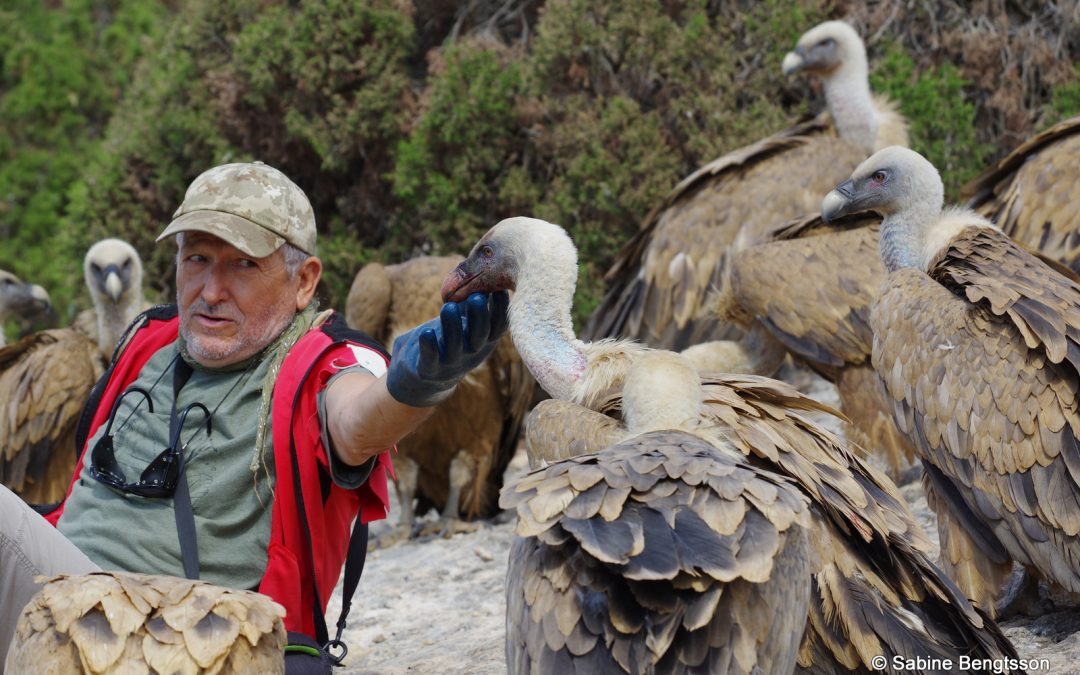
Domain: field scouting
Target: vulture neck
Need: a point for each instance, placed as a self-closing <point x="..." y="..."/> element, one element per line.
<point x="112" y="319"/>
<point x="901" y="243"/>
<point x="847" y="93"/>
<point x="541" y="324"/>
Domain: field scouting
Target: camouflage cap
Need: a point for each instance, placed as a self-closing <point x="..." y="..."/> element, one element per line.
<point x="254" y="207"/>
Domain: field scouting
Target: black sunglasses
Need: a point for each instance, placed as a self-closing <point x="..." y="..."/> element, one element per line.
<point x="159" y="477"/>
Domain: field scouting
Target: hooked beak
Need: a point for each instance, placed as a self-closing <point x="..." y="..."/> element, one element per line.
<point x="113" y="286"/>
<point x="457" y="284"/>
<point x="794" y="61"/>
<point x="841" y="201"/>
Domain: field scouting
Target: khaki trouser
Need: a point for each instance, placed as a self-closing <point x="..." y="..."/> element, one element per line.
<point x="29" y="546"/>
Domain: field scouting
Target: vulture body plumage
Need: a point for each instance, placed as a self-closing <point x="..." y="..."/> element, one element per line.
<point x="455" y="460"/>
<point x="660" y="280"/>
<point x="46" y="377"/>
<point x="1033" y="194"/>
<point x="875" y="593"/>
<point x="976" y="341"/>
<point x="664" y="552"/>
<point x="135" y="624"/>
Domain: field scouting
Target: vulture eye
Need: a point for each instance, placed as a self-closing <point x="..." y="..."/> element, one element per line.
<point x="487" y="251"/>
<point x="127" y="264"/>
<point x="95" y="268"/>
<point x="879" y="177"/>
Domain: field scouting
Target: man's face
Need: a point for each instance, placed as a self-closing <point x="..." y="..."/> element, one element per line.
<point x="231" y="304"/>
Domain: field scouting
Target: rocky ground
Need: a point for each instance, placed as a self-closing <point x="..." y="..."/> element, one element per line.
<point x="436" y="605"/>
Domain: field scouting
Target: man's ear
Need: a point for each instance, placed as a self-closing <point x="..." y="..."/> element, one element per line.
<point x="308" y="276"/>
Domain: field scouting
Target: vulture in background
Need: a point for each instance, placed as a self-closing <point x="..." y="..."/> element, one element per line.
<point x="660" y="279"/>
<point x="1033" y="194"/>
<point x="976" y="342"/>
<point x="19" y="299"/>
<point x="810" y="289"/>
<point x="454" y="466"/>
<point x="45" y="378"/>
<point x="666" y="551"/>
<point x="875" y="594"/>
<point x="133" y="624"/>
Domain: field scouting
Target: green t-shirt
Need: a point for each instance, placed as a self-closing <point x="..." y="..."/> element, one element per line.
<point x="231" y="503"/>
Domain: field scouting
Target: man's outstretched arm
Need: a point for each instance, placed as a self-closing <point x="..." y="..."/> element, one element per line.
<point x="367" y="415"/>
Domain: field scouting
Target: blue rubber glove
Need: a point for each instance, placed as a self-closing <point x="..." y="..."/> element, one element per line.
<point x="430" y="360"/>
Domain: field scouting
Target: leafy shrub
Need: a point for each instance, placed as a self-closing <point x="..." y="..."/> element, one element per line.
<point x="941" y="119"/>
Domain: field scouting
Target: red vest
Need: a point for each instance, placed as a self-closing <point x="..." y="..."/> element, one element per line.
<point x="298" y="452"/>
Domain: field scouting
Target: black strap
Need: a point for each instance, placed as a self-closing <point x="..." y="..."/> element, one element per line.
<point x="185" y="516"/>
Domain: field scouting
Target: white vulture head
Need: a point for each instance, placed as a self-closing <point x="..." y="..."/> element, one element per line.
<point x="113" y="273"/>
<point x="905" y="188"/>
<point x="827" y="49"/>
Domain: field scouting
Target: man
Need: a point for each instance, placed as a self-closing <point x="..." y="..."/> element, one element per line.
<point x="236" y="436"/>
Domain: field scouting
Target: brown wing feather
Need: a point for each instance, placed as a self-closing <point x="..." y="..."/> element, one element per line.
<point x="660" y="553"/>
<point x="1033" y="194"/>
<point x="557" y="430"/>
<point x="113" y="622"/>
<point x="809" y="294"/>
<point x="660" y="279"/>
<point x="981" y="359"/>
<point x="45" y="380"/>
<point x="876" y="571"/>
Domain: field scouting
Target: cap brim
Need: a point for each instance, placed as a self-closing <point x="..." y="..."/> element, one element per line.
<point x="247" y="236"/>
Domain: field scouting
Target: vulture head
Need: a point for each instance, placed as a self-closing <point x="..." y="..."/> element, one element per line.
<point x="891" y="181"/>
<point x="517" y="251"/>
<point x="113" y="273"/>
<point x="826" y="49"/>
<point x="18" y="297"/>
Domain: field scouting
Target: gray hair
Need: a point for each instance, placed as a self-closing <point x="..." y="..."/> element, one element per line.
<point x="294" y="257"/>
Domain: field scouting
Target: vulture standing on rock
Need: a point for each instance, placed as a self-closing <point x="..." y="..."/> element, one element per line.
<point x="45" y="378"/>
<point x="455" y="467"/>
<point x="976" y="341"/>
<point x="660" y="279"/>
<point x="134" y="624"/>
<point x="875" y="593"/>
<point x="19" y="298"/>
<point x="1033" y="194"/>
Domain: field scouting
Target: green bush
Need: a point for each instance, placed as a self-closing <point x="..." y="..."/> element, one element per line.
<point x="941" y="119"/>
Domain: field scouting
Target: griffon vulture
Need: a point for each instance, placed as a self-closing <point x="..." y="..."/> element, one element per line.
<point x="876" y="593"/>
<point x="18" y="298"/>
<point x="976" y="341"/>
<point x="660" y="279"/>
<point x="1033" y="194"/>
<point x="123" y="623"/>
<point x="45" y="378"/>
<point x="454" y="466"/>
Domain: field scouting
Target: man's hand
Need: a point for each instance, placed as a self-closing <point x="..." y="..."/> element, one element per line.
<point x="430" y="360"/>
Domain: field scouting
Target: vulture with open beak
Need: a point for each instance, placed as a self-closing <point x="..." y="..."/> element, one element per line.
<point x="976" y="341"/>
<point x="457" y="468"/>
<point x="45" y="378"/>
<point x="660" y="279"/>
<point x="18" y="298"/>
<point x="133" y="624"/>
<point x="875" y="594"/>
<point x="1033" y="194"/>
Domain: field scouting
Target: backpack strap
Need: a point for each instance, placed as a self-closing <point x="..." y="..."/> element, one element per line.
<point x="339" y="333"/>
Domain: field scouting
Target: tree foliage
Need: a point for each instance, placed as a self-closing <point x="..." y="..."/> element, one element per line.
<point x="414" y="126"/>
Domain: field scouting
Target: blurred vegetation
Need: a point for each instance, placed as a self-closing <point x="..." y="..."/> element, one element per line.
<point x="415" y="125"/>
